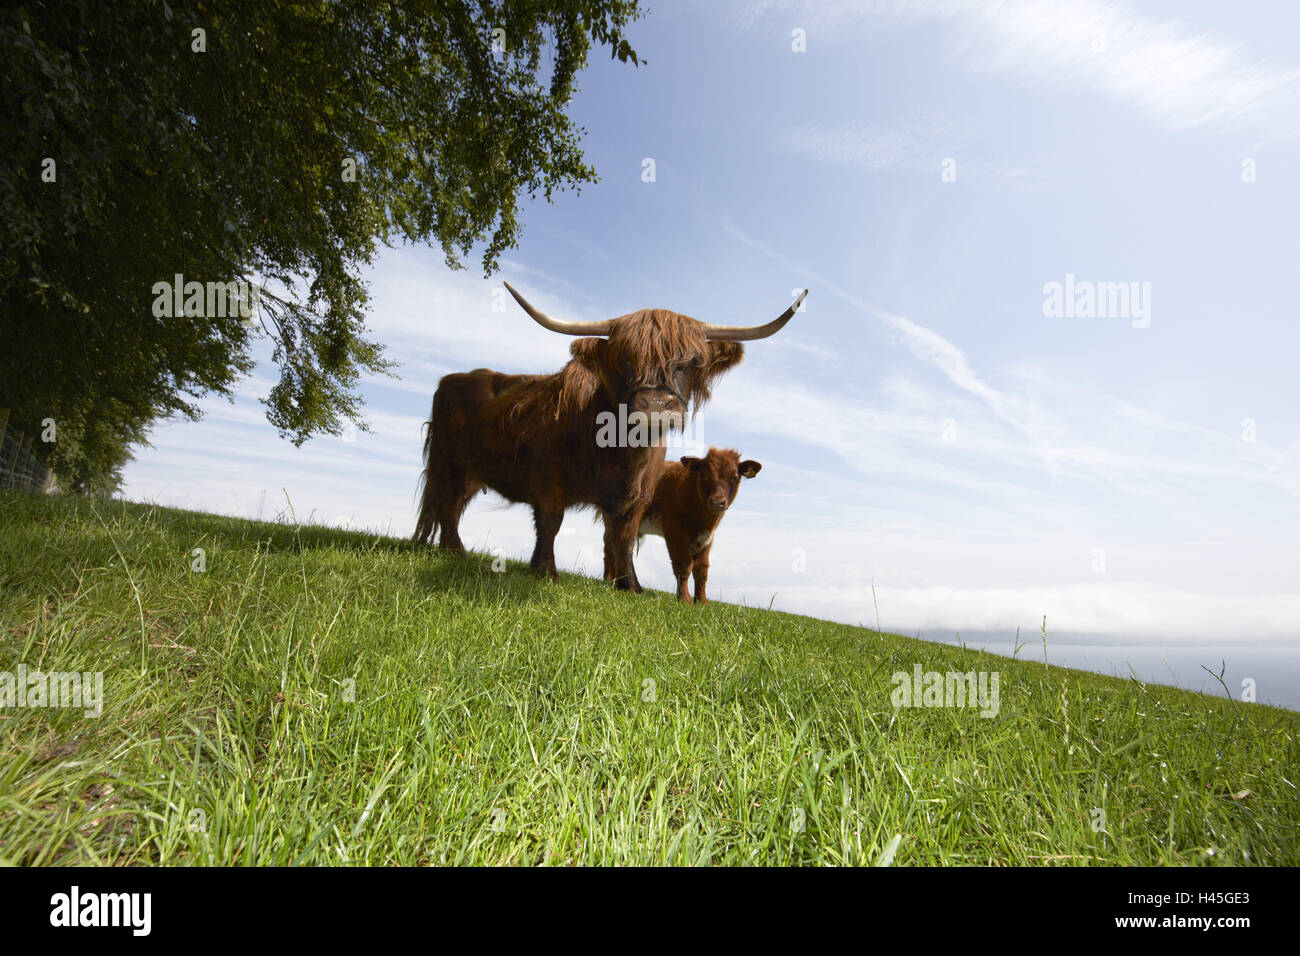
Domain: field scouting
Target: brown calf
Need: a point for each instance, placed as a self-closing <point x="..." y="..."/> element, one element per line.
<point x="689" y="502"/>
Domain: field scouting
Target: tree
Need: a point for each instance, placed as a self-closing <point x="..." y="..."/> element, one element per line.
<point x="280" y="143"/>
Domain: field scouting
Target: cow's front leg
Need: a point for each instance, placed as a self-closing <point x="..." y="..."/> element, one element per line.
<point x="547" y="522"/>
<point x="620" y="536"/>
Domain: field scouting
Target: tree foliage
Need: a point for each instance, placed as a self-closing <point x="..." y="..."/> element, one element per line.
<point x="280" y="142"/>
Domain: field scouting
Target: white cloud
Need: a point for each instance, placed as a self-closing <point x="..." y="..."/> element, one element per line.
<point x="915" y="145"/>
<point x="1179" y="76"/>
<point x="1054" y="444"/>
<point x="1120" y="610"/>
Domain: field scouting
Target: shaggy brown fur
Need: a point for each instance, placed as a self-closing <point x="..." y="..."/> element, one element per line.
<point x="532" y="438"/>
<point x="688" y="505"/>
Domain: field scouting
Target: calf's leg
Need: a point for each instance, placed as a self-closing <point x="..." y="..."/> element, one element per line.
<point x="701" y="575"/>
<point x="680" y="556"/>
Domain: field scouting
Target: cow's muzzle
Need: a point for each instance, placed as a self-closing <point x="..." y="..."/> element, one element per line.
<point x="659" y="404"/>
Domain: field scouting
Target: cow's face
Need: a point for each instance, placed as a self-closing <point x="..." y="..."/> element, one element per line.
<point x="657" y="362"/>
<point x="717" y="477"/>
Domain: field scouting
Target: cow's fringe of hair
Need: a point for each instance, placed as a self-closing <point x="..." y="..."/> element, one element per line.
<point x="650" y="339"/>
<point x="659" y="338"/>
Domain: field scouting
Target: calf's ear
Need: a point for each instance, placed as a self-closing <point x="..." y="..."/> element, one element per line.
<point x="750" y="468"/>
<point x="692" y="462"/>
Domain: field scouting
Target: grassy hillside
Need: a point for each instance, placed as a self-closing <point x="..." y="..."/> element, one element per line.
<point x="495" y="718"/>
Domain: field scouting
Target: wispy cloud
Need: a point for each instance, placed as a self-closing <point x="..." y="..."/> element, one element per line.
<point x="1118" y="610"/>
<point x="1180" y="76"/>
<point x="1050" y="441"/>
<point x="925" y="344"/>
<point x="913" y="146"/>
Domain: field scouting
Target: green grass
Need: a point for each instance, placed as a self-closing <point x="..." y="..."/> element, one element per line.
<point x="499" y="719"/>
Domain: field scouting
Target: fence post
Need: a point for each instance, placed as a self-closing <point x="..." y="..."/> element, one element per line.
<point x="20" y="466"/>
<point x="4" y="433"/>
<point x="27" y="460"/>
<point x="11" y="464"/>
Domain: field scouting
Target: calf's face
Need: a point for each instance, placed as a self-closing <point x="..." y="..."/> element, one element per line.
<point x="717" y="477"/>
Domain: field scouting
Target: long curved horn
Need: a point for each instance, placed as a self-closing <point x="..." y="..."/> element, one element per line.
<point x="746" y="333"/>
<point x="557" y="325"/>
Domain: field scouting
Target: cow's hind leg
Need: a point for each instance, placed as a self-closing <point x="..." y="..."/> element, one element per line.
<point x="547" y="522"/>
<point x="454" y="495"/>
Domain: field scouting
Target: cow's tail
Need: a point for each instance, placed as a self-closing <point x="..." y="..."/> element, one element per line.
<point x="426" y="525"/>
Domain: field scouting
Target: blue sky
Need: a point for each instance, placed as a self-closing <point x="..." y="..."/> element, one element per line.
<point x="924" y="426"/>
